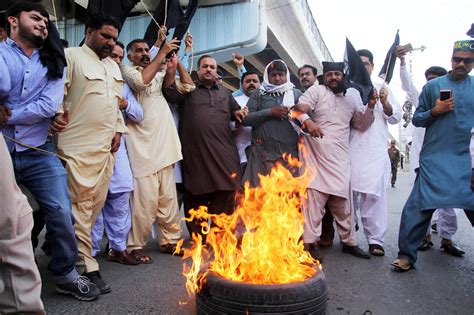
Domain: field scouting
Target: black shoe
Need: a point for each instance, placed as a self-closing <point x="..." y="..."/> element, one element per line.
<point x="355" y="251"/>
<point x="314" y="251"/>
<point x="434" y="227"/>
<point x="425" y="245"/>
<point x="452" y="249"/>
<point x="393" y="185"/>
<point x="81" y="288"/>
<point x="95" y="278"/>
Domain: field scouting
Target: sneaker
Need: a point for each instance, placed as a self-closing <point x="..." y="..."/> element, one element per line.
<point x="81" y="288"/>
<point x="95" y="278"/>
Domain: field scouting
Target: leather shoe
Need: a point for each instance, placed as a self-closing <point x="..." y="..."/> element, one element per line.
<point x="314" y="251"/>
<point x="355" y="251"/>
<point x="121" y="257"/>
<point x="171" y="249"/>
<point x="425" y="245"/>
<point x="452" y="249"/>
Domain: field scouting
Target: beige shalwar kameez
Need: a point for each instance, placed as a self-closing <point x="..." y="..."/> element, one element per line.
<point x="153" y="147"/>
<point x="329" y="156"/>
<point x="93" y="88"/>
<point x="20" y="282"/>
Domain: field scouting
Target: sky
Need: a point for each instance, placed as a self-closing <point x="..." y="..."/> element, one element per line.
<point x="370" y="24"/>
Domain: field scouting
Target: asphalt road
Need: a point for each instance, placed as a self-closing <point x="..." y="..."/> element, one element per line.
<point x="440" y="284"/>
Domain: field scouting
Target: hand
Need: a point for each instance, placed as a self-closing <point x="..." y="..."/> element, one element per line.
<point x="171" y="45"/>
<point x="161" y="36"/>
<point x="123" y="103"/>
<point x="401" y="54"/>
<point x="373" y="99"/>
<point x="188" y="41"/>
<point x="241" y="114"/>
<point x="280" y="112"/>
<point x="383" y="95"/>
<point x="115" y="142"/>
<point x="302" y="108"/>
<point x="172" y="63"/>
<point x="5" y="114"/>
<point x="238" y="60"/>
<point x="314" y="130"/>
<point x="59" y="122"/>
<point x="442" y="107"/>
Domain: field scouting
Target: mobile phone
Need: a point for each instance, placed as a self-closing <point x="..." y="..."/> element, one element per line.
<point x="444" y="95"/>
<point x="407" y="48"/>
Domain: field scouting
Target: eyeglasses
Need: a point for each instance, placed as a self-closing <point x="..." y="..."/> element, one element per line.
<point x="465" y="60"/>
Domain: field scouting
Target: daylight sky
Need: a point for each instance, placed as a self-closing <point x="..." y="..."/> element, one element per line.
<point x="370" y="24"/>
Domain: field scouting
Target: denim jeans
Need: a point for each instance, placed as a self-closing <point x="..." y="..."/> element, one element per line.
<point x="45" y="177"/>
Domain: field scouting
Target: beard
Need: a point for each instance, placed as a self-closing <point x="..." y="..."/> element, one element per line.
<point x="37" y="40"/>
<point x="340" y="88"/>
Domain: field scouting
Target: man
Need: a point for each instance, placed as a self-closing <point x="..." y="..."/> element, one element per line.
<point x="440" y="184"/>
<point x="21" y="293"/>
<point x="116" y="214"/>
<point x="239" y="61"/>
<point x="92" y="91"/>
<point x="446" y="224"/>
<point x="3" y="34"/>
<point x="371" y="164"/>
<point x="210" y="160"/>
<point x="335" y="110"/>
<point x="394" y="155"/>
<point x="31" y="89"/>
<point x="307" y="75"/>
<point x="153" y="147"/>
<point x="243" y="134"/>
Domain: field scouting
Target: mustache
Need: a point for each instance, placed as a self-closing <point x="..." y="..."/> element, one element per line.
<point x="145" y="58"/>
<point x="251" y="86"/>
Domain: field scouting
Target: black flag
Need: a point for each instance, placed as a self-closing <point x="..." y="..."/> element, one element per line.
<point x="356" y="74"/>
<point x="117" y="9"/>
<point x="386" y="72"/>
<point x="176" y="17"/>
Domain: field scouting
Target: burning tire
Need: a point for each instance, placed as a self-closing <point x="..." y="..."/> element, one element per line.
<point x="222" y="296"/>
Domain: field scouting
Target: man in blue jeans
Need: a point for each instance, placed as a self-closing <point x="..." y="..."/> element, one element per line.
<point x="31" y="90"/>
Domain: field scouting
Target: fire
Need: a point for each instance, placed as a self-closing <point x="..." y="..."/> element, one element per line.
<point x="261" y="241"/>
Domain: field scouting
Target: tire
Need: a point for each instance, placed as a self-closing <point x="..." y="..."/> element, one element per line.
<point x="222" y="296"/>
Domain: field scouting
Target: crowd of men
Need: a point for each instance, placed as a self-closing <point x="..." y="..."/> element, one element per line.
<point x="100" y="144"/>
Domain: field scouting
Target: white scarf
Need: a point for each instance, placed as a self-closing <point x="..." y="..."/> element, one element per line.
<point x="286" y="88"/>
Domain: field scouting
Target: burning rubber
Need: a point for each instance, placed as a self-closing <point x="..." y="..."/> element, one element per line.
<point x="222" y="296"/>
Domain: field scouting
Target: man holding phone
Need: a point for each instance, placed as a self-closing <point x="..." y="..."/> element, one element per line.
<point x="444" y="175"/>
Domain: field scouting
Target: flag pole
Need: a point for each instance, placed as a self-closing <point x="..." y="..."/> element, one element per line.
<point x="386" y="71"/>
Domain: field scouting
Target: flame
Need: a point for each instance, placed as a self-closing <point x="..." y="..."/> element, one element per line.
<point x="261" y="241"/>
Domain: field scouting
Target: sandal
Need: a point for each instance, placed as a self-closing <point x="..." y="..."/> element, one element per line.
<point x="140" y="256"/>
<point x="376" y="250"/>
<point x="401" y="265"/>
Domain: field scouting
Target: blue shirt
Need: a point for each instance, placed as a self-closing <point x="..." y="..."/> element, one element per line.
<point x="122" y="178"/>
<point x="32" y="97"/>
<point x="444" y="175"/>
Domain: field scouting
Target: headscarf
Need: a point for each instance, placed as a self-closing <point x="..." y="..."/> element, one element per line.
<point x="286" y="88"/>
